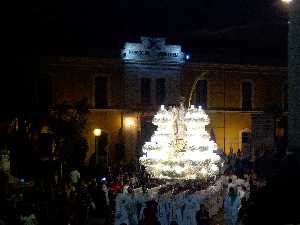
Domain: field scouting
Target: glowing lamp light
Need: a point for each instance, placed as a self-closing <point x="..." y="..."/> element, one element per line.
<point x="97" y="132"/>
<point x="129" y="122"/>
<point x="162" y="107"/>
<point x="287" y="1"/>
<point x="187" y="57"/>
<point x="192" y="106"/>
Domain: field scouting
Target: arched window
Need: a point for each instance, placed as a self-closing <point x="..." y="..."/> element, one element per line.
<point x="160" y="91"/>
<point x="245" y="139"/>
<point x="201" y="93"/>
<point x="101" y="100"/>
<point x="145" y="90"/>
<point x="246" y="89"/>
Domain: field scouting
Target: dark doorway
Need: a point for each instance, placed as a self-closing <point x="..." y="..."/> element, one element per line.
<point x="145" y="91"/>
<point x="101" y="151"/>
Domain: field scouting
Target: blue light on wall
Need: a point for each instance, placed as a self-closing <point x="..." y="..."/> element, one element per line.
<point x="187" y="57"/>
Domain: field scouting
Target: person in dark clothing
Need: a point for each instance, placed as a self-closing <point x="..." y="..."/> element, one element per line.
<point x="106" y="202"/>
<point x="85" y="203"/>
<point x="202" y="215"/>
<point x="150" y="215"/>
<point x="242" y="216"/>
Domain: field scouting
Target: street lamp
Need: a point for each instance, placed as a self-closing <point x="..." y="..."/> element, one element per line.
<point x="129" y="122"/>
<point x="97" y="133"/>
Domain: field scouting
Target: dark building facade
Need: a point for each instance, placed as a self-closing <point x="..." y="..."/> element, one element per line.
<point x="125" y="92"/>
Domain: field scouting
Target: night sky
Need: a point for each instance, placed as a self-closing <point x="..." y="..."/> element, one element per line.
<point x="80" y="27"/>
<point x="36" y="30"/>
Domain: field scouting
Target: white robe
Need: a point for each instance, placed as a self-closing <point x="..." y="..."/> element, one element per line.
<point x="231" y="210"/>
<point x="121" y="215"/>
<point x="162" y="215"/>
<point x="172" y="208"/>
<point x="179" y="202"/>
<point x="142" y="199"/>
<point x="132" y="210"/>
<point x="189" y="212"/>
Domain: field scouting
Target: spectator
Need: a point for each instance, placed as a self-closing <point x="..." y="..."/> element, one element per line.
<point x="69" y="204"/>
<point x="106" y="202"/>
<point x="242" y="216"/>
<point x="150" y="215"/>
<point x="85" y="203"/>
<point x="230" y="185"/>
<point x="231" y="159"/>
<point x="242" y="192"/>
<point x="202" y="215"/>
<point x="74" y="177"/>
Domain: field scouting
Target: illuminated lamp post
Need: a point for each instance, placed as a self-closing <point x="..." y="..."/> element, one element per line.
<point x="129" y="122"/>
<point x="97" y="133"/>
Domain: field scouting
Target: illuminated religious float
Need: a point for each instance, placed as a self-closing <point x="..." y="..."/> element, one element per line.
<point x="181" y="148"/>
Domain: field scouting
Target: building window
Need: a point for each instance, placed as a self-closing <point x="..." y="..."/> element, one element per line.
<point x="245" y="140"/>
<point x="145" y="90"/>
<point x="285" y="97"/>
<point x="246" y="96"/>
<point x="101" y="92"/>
<point x="245" y="137"/>
<point x="201" y="93"/>
<point x="160" y="91"/>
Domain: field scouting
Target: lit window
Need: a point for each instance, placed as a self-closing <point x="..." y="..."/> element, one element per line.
<point x="245" y="138"/>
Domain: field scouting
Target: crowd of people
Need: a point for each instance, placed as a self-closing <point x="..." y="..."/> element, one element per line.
<point x="79" y="199"/>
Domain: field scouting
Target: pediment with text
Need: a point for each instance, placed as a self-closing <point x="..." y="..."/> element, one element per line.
<point x="152" y="49"/>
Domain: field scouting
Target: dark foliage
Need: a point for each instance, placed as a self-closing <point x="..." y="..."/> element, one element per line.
<point x="67" y="123"/>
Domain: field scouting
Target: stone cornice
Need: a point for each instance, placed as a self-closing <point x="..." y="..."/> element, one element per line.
<point x="196" y="66"/>
<point x="94" y="62"/>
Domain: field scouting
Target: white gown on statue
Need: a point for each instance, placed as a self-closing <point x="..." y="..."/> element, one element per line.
<point x="189" y="212"/>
